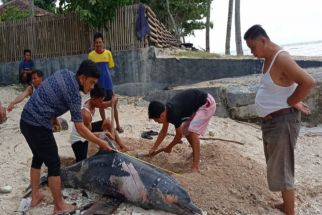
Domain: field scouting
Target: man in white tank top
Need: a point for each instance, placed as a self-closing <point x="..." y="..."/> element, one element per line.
<point x="283" y="87"/>
<point x="79" y="144"/>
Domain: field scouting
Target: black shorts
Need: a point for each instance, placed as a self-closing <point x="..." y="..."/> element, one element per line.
<point x="108" y="95"/>
<point x="97" y="126"/>
<point x="80" y="150"/>
<point x="42" y="143"/>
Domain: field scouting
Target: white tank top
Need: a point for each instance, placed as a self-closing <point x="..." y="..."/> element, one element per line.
<point x="74" y="135"/>
<point x="271" y="97"/>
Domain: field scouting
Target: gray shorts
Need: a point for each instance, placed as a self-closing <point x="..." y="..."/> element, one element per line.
<point x="279" y="137"/>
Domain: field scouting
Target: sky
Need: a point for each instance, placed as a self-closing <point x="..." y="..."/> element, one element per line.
<point x="285" y="21"/>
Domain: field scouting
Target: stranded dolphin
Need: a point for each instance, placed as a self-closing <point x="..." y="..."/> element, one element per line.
<point x="120" y="176"/>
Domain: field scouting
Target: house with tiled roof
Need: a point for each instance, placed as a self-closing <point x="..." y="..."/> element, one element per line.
<point x="26" y="6"/>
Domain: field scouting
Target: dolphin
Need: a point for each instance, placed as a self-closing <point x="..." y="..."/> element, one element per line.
<point x="125" y="178"/>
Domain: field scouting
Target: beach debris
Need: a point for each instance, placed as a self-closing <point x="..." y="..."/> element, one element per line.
<point x="24" y="205"/>
<point x="5" y="189"/>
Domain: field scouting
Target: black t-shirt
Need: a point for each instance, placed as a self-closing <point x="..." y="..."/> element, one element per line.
<point x="183" y="105"/>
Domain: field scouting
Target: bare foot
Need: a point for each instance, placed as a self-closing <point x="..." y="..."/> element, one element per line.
<point x="279" y="206"/>
<point x="64" y="209"/>
<point x="36" y="199"/>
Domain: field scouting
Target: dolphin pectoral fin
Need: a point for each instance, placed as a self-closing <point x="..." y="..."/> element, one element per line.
<point x="106" y="207"/>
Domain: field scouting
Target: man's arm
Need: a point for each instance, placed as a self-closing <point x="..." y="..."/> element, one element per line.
<point x="87" y="119"/>
<point x="305" y="82"/>
<point x="20" y="98"/>
<point x="175" y="141"/>
<point x="160" y="138"/>
<point x="88" y="135"/>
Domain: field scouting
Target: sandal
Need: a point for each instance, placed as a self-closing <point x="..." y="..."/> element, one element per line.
<point x="145" y="135"/>
<point x="152" y="133"/>
<point x="119" y="129"/>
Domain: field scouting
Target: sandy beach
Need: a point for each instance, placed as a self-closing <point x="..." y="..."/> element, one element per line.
<point x="232" y="178"/>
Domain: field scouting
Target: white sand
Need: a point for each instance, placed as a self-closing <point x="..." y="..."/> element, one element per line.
<point x="232" y="179"/>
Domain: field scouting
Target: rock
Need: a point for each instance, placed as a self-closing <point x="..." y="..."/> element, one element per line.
<point x="6" y="189"/>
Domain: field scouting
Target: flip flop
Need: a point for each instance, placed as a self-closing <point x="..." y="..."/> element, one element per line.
<point x="152" y="133"/>
<point x="120" y="130"/>
<point x="145" y="135"/>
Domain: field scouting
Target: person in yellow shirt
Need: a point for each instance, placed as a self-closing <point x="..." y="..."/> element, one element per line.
<point x="104" y="60"/>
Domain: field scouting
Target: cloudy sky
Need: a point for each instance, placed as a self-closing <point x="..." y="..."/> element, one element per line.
<point x="286" y="22"/>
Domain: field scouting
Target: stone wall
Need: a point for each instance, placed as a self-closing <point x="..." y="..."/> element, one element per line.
<point x="144" y="66"/>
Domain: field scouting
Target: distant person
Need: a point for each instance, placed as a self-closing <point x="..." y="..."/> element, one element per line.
<point x="56" y="95"/>
<point x="79" y="145"/>
<point x="283" y="87"/>
<point x="36" y="79"/>
<point x="104" y="59"/>
<point x="3" y="115"/>
<point x="25" y="67"/>
<point x="190" y="112"/>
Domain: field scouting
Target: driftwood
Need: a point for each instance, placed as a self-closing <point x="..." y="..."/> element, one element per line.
<point x="215" y="138"/>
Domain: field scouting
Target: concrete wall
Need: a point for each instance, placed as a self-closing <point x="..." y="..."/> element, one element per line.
<point x="9" y="71"/>
<point x="142" y="67"/>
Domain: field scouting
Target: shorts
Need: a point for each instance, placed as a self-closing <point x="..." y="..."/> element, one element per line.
<point x="108" y="95"/>
<point x="279" y="138"/>
<point x="199" y="121"/>
<point x="97" y="126"/>
<point x="42" y="143"/>
<point x="80" y="149"/>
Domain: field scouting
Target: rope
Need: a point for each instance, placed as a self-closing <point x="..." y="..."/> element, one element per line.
<point x="158" y="167"/>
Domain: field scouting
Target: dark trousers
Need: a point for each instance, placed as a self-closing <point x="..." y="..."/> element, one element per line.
<point x="43" y="146"/>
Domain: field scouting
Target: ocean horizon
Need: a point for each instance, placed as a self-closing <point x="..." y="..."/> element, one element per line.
<point x="312" y="48"/>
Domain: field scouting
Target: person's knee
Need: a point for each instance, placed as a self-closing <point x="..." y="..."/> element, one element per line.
<point x="36" y="163"/>
<point x="53" y="167"/>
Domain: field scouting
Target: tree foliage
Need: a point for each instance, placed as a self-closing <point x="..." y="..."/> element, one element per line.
<point x="49" y="5"/>
<point x="188" y="15"/>
<point x="14" y="13"/>
<point x="95" y="12"/>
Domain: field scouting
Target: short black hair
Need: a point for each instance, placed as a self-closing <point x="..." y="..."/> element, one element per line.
<point x="89" y="69"/>
<point x="254" y="32"/>
<point x="97" y="92"/>
<point x="155" y="109"/>
<point x="26" y="51"/>
<point x="98" y="35"/>
<point x="38" y="72"/>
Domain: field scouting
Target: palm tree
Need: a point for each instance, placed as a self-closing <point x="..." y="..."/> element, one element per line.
<point x="228" y="30"/>
<point x="208" y="25"/>
<point x="239" y="47"/>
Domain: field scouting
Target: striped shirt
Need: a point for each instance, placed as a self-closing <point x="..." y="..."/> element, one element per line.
<point x="54" y="97"/>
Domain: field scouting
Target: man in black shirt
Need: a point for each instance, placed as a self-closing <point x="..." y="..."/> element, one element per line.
<point x="189" y="111"/>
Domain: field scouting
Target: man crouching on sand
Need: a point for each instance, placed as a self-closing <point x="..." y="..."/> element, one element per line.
<point x="189" y="111"/>
<point x="278" y="103"/>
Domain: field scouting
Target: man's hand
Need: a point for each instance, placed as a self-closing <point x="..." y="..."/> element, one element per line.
<point x="304" y="108"/>
<point x="106" y="148"/>
<point x="152" y="151"/>
<point x="168" y="149"/>
<point x="10" y="107"/>
<point x="110" y="135"/>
